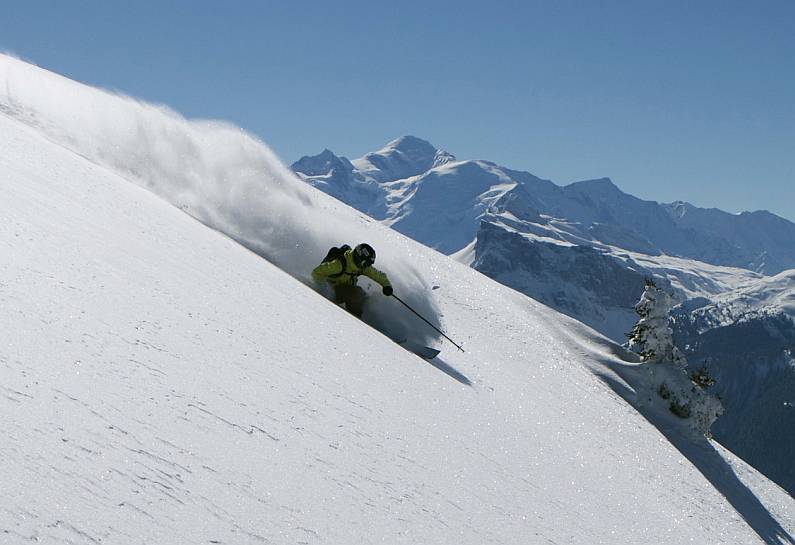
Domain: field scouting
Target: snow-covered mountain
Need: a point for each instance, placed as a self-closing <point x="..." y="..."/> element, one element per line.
<point x="746" y="340"/>
<point x="164" y="383"/>
<point x="597" y="286"/>
<point x="585" y="250"/>
<point x="410" y="177"/>
<point x="526" y="232"/>
<point x="402" y="158"/>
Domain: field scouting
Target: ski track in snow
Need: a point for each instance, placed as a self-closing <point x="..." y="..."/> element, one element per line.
<point x="215" y="172"/>
<point x="160" y="384"/>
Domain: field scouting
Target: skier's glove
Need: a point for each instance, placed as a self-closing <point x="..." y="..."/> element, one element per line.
<point x="387" y="290"/>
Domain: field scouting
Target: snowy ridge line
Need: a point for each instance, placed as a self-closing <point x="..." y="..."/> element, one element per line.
<point x="768" y="295"/>
<point x="216" y="172"/>
<point x="139" y="317"/>
<point x="402" y="183"/>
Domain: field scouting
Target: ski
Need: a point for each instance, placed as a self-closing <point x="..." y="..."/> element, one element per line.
<point x="425" y="352"/>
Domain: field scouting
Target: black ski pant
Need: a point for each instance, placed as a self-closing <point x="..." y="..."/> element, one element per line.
<point x="352" y="296"/>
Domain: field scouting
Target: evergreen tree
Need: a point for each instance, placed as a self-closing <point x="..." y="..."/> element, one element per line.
<point x="651" y="337"/>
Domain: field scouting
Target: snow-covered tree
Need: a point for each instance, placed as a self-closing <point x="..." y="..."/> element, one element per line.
<point x="652" y="339"/>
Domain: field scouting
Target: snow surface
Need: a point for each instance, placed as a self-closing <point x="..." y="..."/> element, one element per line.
<point x="691" y="279"/>
<point x="768" y="295"/>
<point x="164" y="384"/>
<point x="408" y="175"/>
<point x="214" y="171"/>
<point x="598" y="286"/>
<point x="401" y="158"/>
<point x="746" y="340"/>
<point x="583" y="249"/>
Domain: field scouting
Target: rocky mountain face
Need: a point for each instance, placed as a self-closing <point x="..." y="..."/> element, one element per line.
<point x="473" y="209"/>
<point x="585" y="249"/>
<point x="745" y="339"/>
<point x="409" y="183"/>
<point x="591" y="286"/>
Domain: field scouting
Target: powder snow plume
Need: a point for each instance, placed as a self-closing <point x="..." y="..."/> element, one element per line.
<point x="219" y="174"/>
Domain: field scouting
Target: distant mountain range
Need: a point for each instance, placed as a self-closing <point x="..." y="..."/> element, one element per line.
<point x="176" y="377"/>
<point x="746" y="340"/>
<point x="585" y="250"/>
<point x="431" y="196"/>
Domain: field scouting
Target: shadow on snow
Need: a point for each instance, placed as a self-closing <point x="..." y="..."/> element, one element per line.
<point x="450" y="371"/>
<point x="710" y="463"/>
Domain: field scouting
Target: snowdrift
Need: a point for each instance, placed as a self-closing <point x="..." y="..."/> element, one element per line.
<point x="162" y="384"/>
<point x="217" y="173"/>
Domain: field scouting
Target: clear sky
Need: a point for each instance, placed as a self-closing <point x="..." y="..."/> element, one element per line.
<point x="675" y="100"/>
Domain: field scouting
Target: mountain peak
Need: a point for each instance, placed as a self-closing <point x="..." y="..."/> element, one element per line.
<point x="597" y="184"/>
<point x="414" y="150"/>
<point x="409" y="144"/>
<point x="402" y="158"/>
<point x="321" y="164"/>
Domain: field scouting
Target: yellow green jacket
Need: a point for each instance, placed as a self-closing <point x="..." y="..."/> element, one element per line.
<point x="336" y="274"/>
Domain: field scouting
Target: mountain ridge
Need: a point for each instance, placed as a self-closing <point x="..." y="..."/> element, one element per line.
<point x="586" y="249"/>
<point x="168" y="380"/>
<point x="744" y="240"/>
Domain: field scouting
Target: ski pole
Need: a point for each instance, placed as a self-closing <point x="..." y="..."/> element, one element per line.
<point x="427" y="322"/>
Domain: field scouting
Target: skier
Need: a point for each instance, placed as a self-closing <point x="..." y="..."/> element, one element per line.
<point x="342" y="267"/>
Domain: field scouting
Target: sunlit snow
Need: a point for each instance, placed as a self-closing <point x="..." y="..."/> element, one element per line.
<point x="163" y="384"/>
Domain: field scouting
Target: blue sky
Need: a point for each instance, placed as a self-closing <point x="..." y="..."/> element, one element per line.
<point x="673" y="100"/>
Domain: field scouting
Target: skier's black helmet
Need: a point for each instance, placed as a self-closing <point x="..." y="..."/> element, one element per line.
<point x="363" y="255"/>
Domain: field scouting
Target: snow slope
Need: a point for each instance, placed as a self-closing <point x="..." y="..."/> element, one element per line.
<point x="400" y="159"/>
<point x="163" y="384"/>
<point x="583" y="249"/>
<point x="769" y="295"/>
<point x="746" y="339"/>
<point x="597" y="286"/>
<point x="220" y="175"/>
